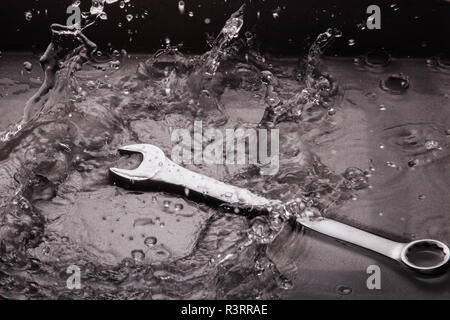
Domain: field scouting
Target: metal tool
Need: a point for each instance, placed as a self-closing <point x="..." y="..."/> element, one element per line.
<point x="158" y="168"/>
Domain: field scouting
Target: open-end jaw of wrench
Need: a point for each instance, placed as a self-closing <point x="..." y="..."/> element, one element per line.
<point x="157" y="167"/>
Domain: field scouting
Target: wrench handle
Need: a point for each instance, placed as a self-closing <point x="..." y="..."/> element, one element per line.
<point x="355" y="236"/>
<point x="177" y="175"/>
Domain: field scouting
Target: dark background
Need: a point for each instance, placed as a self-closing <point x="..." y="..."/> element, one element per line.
<point x="409" y="28"/>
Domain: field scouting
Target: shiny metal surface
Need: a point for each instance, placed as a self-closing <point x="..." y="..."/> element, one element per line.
<point x="156" y="167"/>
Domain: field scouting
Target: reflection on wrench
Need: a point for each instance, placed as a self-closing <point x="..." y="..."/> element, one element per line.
<point x="157" y="167"/>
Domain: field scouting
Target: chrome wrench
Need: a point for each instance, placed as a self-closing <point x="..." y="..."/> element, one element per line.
<point x="157" y="167"/>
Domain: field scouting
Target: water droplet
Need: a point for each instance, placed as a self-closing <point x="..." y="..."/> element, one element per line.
<point x="431" y="145"/>
<point x="395" y="84"/>
<point x="207" y="21"/>
<point x="191" y="14"/>
<point x="395" y="6"/>
<point x="46" y="251"/>
<point x="351" y="42"/>
<point x="443" y="61"/>
<point x="27" y="66"/>
<point x="129" y="17"/>
<point x="412" y="163"/>
<point x="167" y="203"/>
<point x="378" y="58"/>
<point x="344" y="290"/>
<point x="179" y="207"/>
<point x="150" y="241"/>
<point x="285" y="284"/>
<point x="138" y="255"/>
<point x="91" y="85"/>
<point x="28" y="15"/>
<point x="97" y="8"/>
<point x="276" y="13"/>
<point x="383" y="107"/>
<point x="181" y="7"/>
<point x="430" y="63"/>
<point x="115" y="64"/>
<point x="391" y="164"/>
<point x="356" y="179"/>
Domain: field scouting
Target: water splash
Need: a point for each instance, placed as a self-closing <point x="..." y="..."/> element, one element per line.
<point x="229" y="32"/>
<point x="75" y="122"/>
